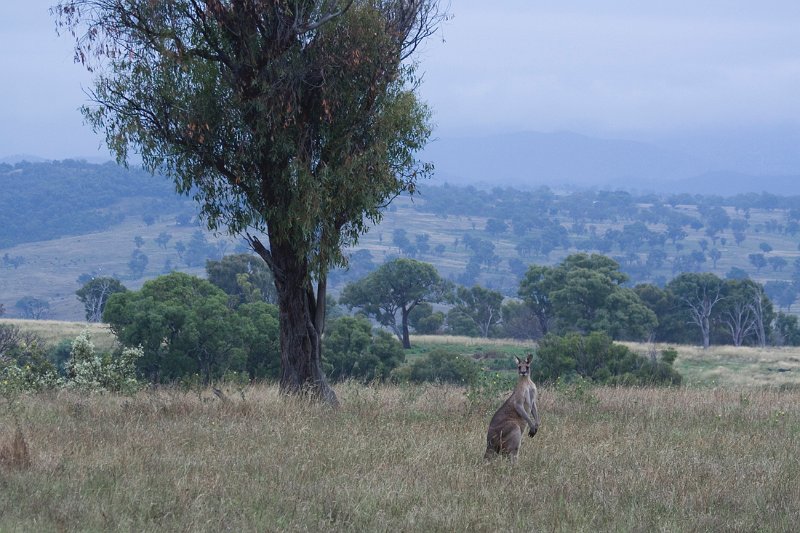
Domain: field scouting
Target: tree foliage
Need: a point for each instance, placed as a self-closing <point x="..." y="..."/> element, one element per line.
<point x="354" y="350"/>
<point x="245" y="278"/>
<point x="396" y="288"/>
<point x="484" y="307"/>
<point x="585" y="293"/>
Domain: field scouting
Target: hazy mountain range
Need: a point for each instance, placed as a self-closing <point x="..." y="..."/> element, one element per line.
<point x="726" y="164"/>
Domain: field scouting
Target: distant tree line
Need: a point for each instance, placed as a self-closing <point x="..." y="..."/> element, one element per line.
<point x="585" y="293"/>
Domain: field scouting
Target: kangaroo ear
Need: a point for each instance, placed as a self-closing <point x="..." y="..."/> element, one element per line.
<point x="519" y="361"/>
<point x="530" y="357"/>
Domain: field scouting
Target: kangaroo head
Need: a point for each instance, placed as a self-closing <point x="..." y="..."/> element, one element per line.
<point x="524" y="367"/>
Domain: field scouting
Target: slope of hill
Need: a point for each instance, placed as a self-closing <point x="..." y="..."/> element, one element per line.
<point x="97" y="219"/>
<point x="42" y="201"/>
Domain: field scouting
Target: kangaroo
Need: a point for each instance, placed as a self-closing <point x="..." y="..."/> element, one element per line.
<point x="508" y="423"/>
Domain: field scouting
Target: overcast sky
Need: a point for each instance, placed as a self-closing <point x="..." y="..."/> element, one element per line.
<point x="617" y="68"/>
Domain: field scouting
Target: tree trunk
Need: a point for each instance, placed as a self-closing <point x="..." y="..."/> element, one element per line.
<point x="706" y="329"/>
<point x="406" y="340"/>
<point x="301" y="325"/>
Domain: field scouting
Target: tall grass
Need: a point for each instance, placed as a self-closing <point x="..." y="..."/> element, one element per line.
<point x="403" y="458"/>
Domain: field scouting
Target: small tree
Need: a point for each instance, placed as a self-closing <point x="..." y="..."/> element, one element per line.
<point x="31" y="307"/>
<point x="95" y="293"/>
<point x="184" y="325"/>
<point x="138" y="263"/>
<point x="93" y="372"/>
<point x="162" y="239"/>
<point x="758" y="261"/>
<point x="699" y="293"/>
<point x="396" y="287"/>
<point x="597" y="358"/>
<point x="482" y="306"/>
<point x="442" y="366"/>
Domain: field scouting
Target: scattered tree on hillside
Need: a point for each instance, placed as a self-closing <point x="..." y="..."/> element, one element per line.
<point x="31" y="307"/>
<point x="138" y="263"/>
<point x="162" y="239"/>
<point x="715" y="256"/>
<point x="736" y="273"/>
<point x="496" y="227"/>
<point x="95" y="293"/>
<point x="294" y="120"/>
<point x="777" y="263"/>
<point x="758" y="261"/>
<point x="13" y="262"/>
<point x="782" y="293"/>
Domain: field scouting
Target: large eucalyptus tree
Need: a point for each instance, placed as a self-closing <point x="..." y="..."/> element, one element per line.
<point x="291" y="122"/>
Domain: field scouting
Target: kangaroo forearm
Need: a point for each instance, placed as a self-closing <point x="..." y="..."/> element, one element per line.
<point x="524" y="414"/>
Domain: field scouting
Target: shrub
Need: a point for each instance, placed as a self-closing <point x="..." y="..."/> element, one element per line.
<point x="351" y="349"/>
<point x="440" y="365"/>
<point x="459" y="323"/>
<point x="93" y="372"/>
<point x="25" y="368"/>
<point x="595" y="357"/>
<point x="425" y="320"/>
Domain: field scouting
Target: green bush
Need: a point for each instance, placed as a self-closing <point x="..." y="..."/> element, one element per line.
<point x="440" y="365"/>
<point x="425" y="320"/>
<point x="351" y="349"/>
<point x="24" y="367"/>
<point x="459" y="323"/>
<point x="595" y="357"/>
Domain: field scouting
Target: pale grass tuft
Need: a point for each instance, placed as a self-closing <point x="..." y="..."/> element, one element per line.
<point x="470" y="341"/>
<point x="15" y="454"/>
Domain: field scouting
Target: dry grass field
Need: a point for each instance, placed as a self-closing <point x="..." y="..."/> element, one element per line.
<point x="400" y="459"/>
<point x="54" y="331"/>
<point x="720" y="454"/>
<point x="731" y="366"/>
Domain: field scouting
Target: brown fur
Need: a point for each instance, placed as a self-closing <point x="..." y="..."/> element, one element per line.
<point x="508" y="423"/>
